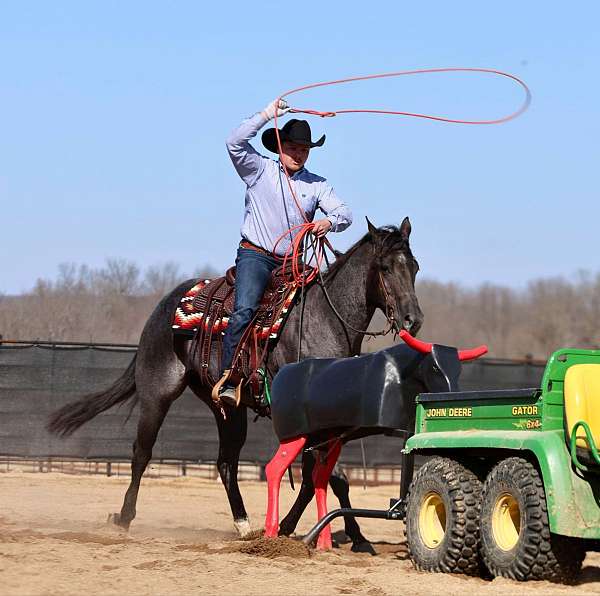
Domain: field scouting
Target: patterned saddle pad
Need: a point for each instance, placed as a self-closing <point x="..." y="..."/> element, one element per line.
<point x="203" y="314"/>
<point x="194" y="310"/>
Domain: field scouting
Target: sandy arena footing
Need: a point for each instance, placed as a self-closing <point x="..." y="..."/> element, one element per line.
<point x="54" y="540"/>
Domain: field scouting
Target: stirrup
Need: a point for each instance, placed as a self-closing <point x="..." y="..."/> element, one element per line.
<point x="233" y="401"/>
<point x="217" y="388"/>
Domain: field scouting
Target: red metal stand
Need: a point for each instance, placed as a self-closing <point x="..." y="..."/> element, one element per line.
<point x="275" y="469"/>
<point x="321" y="473"/>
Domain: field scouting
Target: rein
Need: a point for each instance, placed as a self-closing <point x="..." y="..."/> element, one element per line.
<point x="389" y="309"/>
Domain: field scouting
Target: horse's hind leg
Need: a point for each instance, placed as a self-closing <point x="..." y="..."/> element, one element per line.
<point x="151" y="419"/>
<point x="341" y="489"/>
<point x="159" y="382"/>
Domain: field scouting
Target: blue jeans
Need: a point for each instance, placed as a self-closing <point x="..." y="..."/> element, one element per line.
<point x="253" y="272"/>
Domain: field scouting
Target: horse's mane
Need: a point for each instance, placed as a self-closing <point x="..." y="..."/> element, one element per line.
<point x="390" y="242"/>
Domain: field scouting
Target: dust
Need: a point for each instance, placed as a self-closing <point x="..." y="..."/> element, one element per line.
<point x="272" y="548"/>
<point x="254" y="534"/>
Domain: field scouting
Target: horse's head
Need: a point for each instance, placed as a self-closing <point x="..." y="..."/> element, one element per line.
<point x="391" y="282"/>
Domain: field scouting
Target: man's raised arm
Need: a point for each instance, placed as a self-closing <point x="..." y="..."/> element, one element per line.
<point x="248" y="162"/>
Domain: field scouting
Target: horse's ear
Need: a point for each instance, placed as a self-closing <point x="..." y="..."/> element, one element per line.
<point x="372" y="228"/>
<point x="405" y="229"/>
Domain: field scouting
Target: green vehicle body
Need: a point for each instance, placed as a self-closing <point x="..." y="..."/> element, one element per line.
<point x="487" y="426"/>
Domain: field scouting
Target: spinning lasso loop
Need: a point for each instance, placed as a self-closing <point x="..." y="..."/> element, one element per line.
<point x="491" y="71"/>
<point x="303" y="230"/>
<point x="294" y="250"/>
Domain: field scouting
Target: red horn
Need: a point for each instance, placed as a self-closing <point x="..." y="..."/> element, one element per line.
<point x="472" y="353"/>
<point x="415" y="344"/>
<point x="425" y="347"/>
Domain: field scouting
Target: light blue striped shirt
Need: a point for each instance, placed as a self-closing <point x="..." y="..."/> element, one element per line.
<point x="270" y="208"/>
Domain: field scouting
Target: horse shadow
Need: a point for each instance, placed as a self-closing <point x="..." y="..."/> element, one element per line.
<point x="399" y="550"/>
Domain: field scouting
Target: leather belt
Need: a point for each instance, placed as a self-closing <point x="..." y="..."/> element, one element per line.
<point x="247" y="244"/>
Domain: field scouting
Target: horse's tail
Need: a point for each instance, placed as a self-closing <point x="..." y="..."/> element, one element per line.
<point x="69" y="418"/>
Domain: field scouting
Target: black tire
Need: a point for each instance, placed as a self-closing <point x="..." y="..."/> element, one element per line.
<point x="515" y="532"/>
<point x="442" y="518"/>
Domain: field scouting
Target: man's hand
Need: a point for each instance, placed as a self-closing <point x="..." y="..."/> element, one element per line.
<point x="281" y="107"/>
<point x="321" y="227"/>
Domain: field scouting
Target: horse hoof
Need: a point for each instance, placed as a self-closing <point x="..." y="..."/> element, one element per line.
<point x="363" y="547"/>
<point x="285" y="531"/>
<point x="243" y="527"/>
<point x="114" y="519"/>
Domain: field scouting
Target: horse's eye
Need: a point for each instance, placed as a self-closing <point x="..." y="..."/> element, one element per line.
<point x="385" y="269"/>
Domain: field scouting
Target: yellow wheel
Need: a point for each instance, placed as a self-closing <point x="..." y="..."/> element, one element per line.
<point x="516" y="541"/>
<point x="442" y="518"/>
<point x="506" y="521"/>
<point x="432" y="520"/>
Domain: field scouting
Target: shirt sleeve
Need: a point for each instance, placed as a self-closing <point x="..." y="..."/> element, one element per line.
<point x="336" y="211"/>
<point x="248" y="162"/>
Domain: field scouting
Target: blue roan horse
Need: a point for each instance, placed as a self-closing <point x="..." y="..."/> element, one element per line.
<point x="377" y="272"/>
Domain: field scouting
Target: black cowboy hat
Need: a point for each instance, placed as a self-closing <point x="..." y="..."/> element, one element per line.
<point x="295" y="131"/>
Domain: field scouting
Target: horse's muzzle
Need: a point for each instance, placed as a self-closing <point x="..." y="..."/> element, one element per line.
<point x="412" y="322"/>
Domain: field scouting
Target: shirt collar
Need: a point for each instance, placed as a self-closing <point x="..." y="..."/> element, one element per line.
<point x="300" y="171"/>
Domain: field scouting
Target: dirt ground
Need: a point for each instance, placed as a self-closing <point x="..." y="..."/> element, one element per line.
<point x="54" y="540"/>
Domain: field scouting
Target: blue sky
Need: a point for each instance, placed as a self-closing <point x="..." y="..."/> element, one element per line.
<point x="114" y="114"/>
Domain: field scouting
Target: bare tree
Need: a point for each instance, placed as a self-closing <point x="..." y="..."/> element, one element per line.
<point x="119" y="277"/>
<point x="111" y="304"/>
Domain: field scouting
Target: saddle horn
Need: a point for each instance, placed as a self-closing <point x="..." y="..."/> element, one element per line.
<point x="426" y="347"/>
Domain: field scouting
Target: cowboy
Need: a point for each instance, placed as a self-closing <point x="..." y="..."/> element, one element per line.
<point x="270" y="211"/>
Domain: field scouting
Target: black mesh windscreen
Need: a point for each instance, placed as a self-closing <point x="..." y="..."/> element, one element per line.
<point x="36" y="380"/>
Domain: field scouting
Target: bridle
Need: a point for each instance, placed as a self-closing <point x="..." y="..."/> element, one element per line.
<point x="392" y="324"/>
<point x="389" y="306"/>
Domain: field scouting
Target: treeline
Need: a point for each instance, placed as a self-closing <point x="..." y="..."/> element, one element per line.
<point x="531" y="322"/>
<point x="111" y="304"/>
<point x="107" y="304"/>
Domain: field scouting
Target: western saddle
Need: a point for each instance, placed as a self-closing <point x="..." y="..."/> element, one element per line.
<point x="203" y="315"/>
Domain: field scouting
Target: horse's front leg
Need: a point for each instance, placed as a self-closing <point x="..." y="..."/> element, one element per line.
<point x="305" y="495"/>
<point x="232" y="436"/>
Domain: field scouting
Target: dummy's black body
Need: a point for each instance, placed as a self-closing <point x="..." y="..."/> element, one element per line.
<point x="369" y="394"/>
